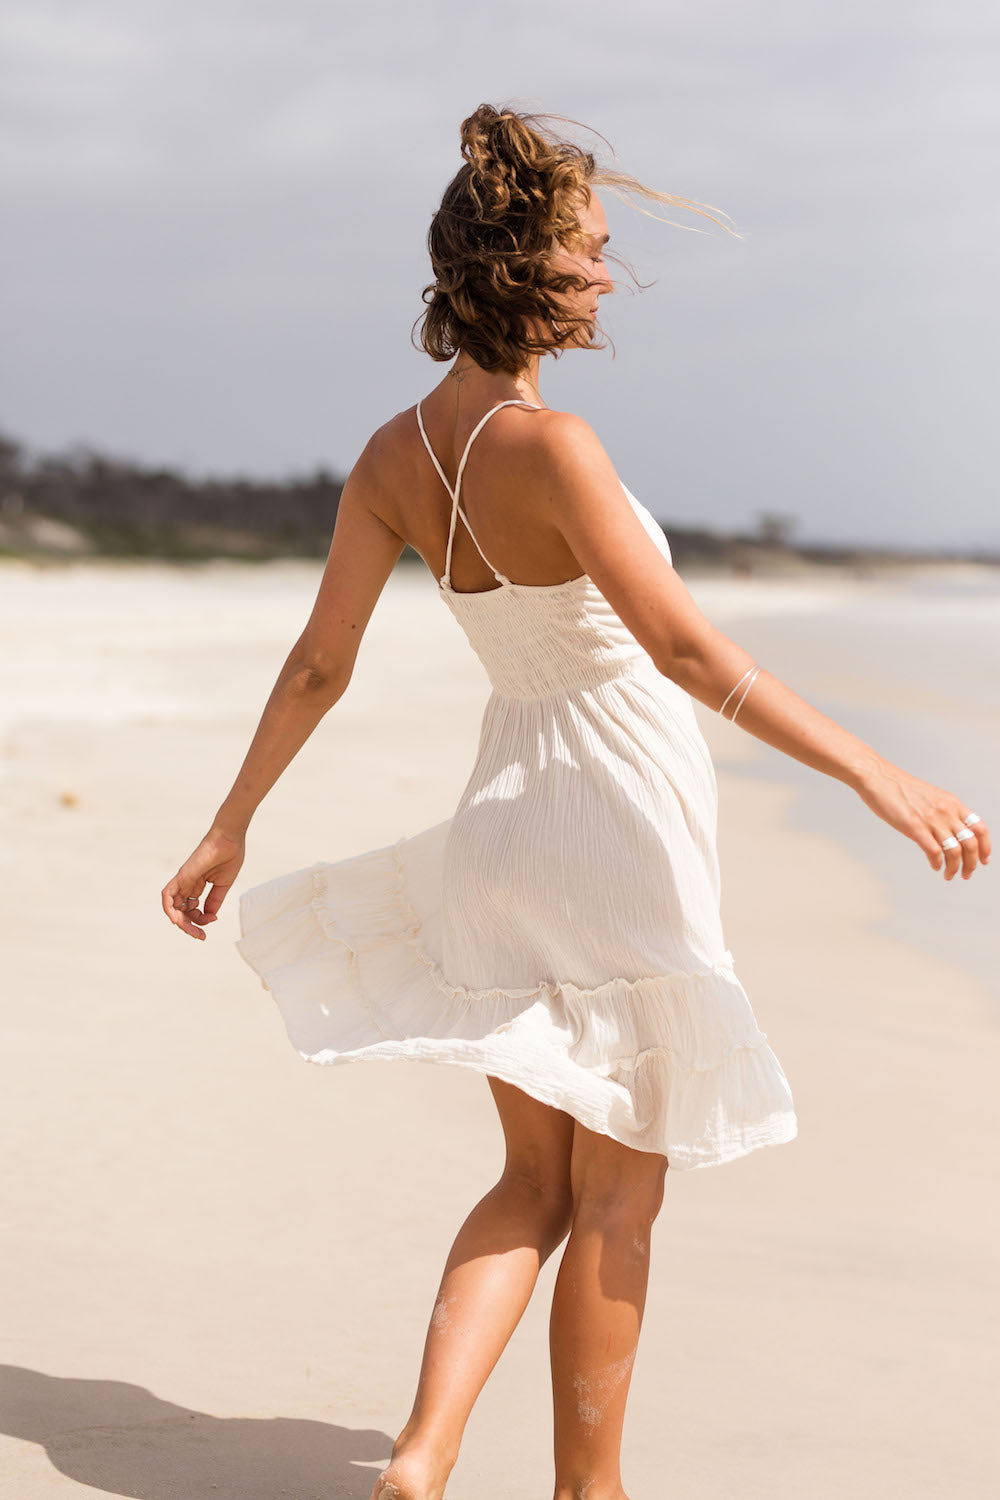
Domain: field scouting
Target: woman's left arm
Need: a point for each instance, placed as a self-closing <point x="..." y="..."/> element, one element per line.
<point x="314" y="676"/>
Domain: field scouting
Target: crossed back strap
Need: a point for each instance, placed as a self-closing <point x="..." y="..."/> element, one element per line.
<point x="456" y="508"/>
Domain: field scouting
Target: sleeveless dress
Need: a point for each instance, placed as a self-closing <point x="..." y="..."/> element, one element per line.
<point x="561" y="931"/>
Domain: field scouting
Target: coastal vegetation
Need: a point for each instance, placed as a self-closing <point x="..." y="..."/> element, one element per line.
<point x="82" y="503"/>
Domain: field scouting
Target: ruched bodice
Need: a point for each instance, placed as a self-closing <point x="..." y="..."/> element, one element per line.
<point x="537" y="641"/>
<point x="561" y="930"/>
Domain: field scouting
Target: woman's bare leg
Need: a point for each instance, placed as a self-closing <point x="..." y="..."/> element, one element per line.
<point x="597" y="1308"/>
<point x="487" y="1282"/>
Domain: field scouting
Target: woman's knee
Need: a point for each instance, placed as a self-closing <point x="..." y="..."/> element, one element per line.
<point x="540" y="1196"/>
<point x="626" y="1211"/>
<point x="539" y="1143"/>
<point x="616" y="1184"/>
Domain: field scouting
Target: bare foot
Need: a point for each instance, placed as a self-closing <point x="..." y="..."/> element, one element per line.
<point x="385" y="1489"/>
<point x="587" y="1489"/>
<point x="408" y="1478"/>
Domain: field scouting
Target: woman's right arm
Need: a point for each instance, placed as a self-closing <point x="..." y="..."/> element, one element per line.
<point x="314" y="676"/>
<point x="581" y="496"/>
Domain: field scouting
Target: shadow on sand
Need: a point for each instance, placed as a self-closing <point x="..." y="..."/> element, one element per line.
<point x="123" y="1440"/>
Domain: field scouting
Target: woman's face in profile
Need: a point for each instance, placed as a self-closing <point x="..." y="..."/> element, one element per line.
<point x="587" y="261"/>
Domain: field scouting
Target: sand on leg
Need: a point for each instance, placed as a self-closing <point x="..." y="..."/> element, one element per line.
<point x="487" y="1283"/>
<point x="597" y="1308"/>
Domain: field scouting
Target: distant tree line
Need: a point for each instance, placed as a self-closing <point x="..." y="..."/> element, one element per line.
<point x="81" y="501"/>
<point x="123" y="508"/>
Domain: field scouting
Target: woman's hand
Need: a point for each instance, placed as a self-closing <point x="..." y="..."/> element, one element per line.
<point x="928" y="815"/>
<point x="216" y="861"/>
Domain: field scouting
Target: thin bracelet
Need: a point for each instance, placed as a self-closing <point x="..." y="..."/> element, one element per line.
<point x="746" y="690"/>
<point x="743" y="679"/>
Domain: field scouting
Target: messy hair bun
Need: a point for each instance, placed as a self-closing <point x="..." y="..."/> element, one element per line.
<point x="519" y="192"/>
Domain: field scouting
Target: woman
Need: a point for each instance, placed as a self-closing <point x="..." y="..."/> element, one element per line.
<point x="560" y="933"/>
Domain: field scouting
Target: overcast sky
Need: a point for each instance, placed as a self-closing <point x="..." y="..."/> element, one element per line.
<point x="216" y="217"/>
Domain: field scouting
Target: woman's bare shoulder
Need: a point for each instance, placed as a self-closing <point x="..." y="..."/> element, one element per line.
<point x="562" y="437"/>
<point x="548" y="447"/>
<point x="567" y="465"/>
<point x="388" y="458"/>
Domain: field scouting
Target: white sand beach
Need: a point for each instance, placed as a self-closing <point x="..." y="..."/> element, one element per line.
<point x="219" y="1262"/>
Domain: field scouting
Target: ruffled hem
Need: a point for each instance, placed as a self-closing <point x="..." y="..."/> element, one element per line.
<point x="673" y="1063"/>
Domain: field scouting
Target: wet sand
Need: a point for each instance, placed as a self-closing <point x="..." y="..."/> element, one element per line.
<point x="219" y="1262"/>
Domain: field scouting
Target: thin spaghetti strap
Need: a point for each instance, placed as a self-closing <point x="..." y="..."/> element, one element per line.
<point x="456" y="509"/>
<point x="430" y="450"/>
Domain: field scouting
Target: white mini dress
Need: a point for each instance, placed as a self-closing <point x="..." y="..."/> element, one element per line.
<point x="561" y="931"/>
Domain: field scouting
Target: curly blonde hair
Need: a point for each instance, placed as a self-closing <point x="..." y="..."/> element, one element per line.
<point x="520" y="190"/>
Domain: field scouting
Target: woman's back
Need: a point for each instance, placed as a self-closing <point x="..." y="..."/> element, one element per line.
<point x="500" y="493"/>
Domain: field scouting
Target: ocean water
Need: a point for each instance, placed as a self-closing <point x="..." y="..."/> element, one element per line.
<point x="912" y="666"/>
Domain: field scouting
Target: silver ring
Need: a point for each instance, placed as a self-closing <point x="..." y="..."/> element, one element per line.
<point x="963" y="834"/>
<point x="972" y="818"/>
<point x="949" y="843"/>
